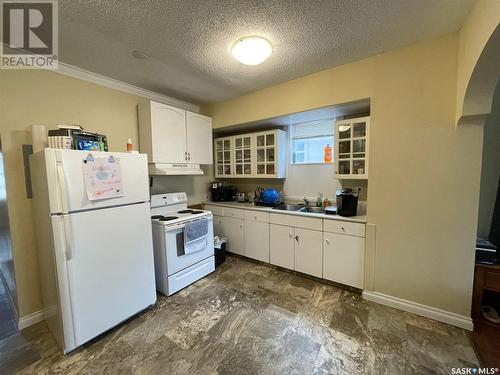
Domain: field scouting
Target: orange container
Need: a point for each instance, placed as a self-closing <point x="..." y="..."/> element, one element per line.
<point x="327" y="154"/>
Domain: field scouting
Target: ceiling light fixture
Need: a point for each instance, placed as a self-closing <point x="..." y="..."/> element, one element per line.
<point x="252" y="50"/>
<point x="139" y="55"/>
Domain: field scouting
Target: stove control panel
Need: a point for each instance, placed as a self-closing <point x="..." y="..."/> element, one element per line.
<point x="168" y="199"/>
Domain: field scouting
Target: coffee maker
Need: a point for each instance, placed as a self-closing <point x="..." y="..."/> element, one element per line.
<point x="347" y="202"/>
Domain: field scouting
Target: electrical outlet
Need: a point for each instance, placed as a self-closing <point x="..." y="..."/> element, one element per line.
<point x="358" y="189"/>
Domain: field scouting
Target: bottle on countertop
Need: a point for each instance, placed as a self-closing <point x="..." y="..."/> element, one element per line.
<point x="326" y="202"/>
<point x="319" y="201"/>
<point x="130" y="146"/>
<point x="327" y="154"/>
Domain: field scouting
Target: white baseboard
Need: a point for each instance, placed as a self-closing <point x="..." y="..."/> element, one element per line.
<point x="461" y="321"/>
<point x="31" y="319"/>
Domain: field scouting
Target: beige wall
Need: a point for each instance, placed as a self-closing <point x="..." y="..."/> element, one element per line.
<point x="46" y="98"/>
<point x="424" y="176"/>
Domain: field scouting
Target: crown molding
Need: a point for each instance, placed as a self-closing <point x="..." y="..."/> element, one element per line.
<point x="85" y="75"/>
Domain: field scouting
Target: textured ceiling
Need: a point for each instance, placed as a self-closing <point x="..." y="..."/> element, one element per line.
<point x="189" y="41"/>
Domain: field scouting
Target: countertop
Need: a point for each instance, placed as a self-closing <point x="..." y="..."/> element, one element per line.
<point x="251" y="206"/>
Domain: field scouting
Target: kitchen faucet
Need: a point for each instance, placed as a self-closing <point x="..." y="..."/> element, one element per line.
<point x="306" y="202"/>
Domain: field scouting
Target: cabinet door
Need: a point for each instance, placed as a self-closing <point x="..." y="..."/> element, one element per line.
<point x="281" y="247"/>
<point x="243" y="155"/>
<point x="199" y="138"/>
<point x="309" y="251"/>
<point x="223" y="157"/>
<point x="257" y="240"/>
<point x="168" y="134"/>
<point x="233" y="230"/>
<point x="218" y="227"/>
<point x="343" y="259"/>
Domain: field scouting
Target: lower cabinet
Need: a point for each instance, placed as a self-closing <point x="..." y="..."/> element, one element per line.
<point x="233" y="230"/>
<point x="257" y="240"/>
<point x="329" y="249"/>
<point x="309" y="252"/>
<point x="343" y="259"/>
<point x="297" y="249"/>
<point x="281" y="246"/>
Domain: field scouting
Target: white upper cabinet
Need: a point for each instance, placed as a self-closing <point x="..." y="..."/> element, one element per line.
<point x="199" y="138"/>
<point x="223" y="157"/>
<point x="171" y="135"/>
<point x="351" y="148"/>
<point x="260" y="155"/>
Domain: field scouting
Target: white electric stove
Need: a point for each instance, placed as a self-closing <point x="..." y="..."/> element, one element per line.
<point x="174" y="269"/>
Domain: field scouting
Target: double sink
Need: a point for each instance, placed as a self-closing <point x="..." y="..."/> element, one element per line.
<point x="300" y="208"/>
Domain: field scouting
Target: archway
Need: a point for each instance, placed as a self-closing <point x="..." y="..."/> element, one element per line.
<point x="478" y="98"/>
<point x="481" y="106"/>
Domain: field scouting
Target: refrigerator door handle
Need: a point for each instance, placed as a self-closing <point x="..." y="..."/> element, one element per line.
<point x="61" y="185"/>
<point x="67" y="238"/>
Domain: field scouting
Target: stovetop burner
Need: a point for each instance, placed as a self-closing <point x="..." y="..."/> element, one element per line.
<point x="157" y="216"/>
<point x="196" y="212"/>
<point x="185" y="212"/>
<point x="168" y="218"/>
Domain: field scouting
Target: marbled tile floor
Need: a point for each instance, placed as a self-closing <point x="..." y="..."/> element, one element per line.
<point x="8" y="324"/>
<point x="249" y="318"/>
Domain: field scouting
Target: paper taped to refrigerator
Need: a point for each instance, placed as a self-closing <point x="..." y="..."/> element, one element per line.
<point x="103" y="178"/>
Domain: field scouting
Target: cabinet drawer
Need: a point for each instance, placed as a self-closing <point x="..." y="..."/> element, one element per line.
<point x="344" y="227"/>
<point x="296" y="221"/>
<point x="251" y="215"/>
<point x="493" y="280"/>
<point x="216" y="210"/>
<point x="234" y="212"/>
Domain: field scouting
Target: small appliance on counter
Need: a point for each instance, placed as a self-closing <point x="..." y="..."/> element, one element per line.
<point x="241" y="197"/>
<point x="74" y="137"/>
<point x="347" y="202"/>
<point x="224" y="193"/>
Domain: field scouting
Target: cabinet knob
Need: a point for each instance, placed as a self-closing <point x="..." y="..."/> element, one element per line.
<point x="327" y="241"/>
<point x="343" y="229"/>
<point x="297" y="238"/>
<point x="290" y="235"/>
<point x="241" y="226"/>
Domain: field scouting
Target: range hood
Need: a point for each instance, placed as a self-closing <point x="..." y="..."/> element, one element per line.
<point x="174" y="169"/>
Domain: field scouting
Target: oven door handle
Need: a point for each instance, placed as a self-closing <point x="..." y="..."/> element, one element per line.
<point x="174" y="227"/>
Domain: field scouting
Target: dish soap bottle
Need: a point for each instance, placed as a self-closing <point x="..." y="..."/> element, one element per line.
<point x="327" y="154"/>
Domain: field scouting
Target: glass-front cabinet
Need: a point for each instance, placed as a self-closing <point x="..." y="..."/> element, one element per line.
<point x="266" y="153"/>
<point x="243" y="155"/>
<point x="223" y="156"/>
<point x="351" y="148"/>
<point x="259" y="155"/>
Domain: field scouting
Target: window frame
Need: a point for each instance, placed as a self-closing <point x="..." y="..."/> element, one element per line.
<point x="291" y="146"/>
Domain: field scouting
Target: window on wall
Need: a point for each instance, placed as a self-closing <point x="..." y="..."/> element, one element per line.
<point x="309" y="140"/>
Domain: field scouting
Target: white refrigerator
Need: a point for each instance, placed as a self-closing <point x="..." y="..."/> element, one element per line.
<point x="95" y="256"/>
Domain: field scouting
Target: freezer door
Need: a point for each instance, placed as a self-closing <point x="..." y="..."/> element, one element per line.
<point x="66" y="177"/>
<point x="110" y="267"/>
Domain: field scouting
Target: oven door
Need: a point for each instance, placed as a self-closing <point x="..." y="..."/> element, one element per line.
<point x="177" y="260"/>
